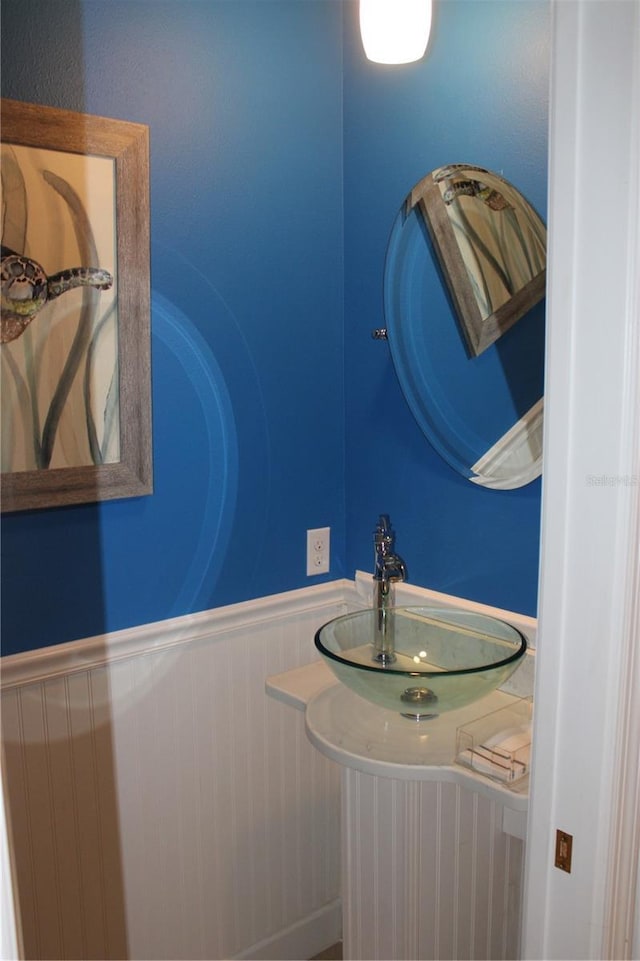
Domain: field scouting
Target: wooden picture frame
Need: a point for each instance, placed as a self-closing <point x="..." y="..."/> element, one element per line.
<point x="117" y="151"/>
<point x="490" y="244"/>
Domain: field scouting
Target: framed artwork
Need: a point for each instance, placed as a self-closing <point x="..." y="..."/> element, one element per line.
<point x="491" y="245"/>
<point x="75" y="312"/>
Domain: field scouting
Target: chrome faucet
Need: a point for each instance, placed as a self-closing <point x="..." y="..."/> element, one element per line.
<point x="388" y="568"/>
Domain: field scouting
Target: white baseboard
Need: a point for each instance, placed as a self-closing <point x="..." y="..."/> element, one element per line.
<point x="304" y="939"/>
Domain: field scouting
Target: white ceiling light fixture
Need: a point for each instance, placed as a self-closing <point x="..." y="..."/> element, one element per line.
<point x="395" y="31"/>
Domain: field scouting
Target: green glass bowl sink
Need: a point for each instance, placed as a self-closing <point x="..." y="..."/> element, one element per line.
<point x="445" y="659"/>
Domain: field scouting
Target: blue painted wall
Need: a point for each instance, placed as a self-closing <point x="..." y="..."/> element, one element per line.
<point x="244" y="104"/>
<point x="266" y="282"/>
<point x="479" y="96"/>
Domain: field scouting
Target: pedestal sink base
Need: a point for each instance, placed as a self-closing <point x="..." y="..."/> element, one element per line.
<point x="427" y="872"/>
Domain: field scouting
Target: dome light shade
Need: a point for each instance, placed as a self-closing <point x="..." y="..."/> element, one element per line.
<point x="395" y="31"/>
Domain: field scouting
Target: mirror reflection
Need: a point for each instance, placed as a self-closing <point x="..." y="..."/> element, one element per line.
<point x="491" y="245"/>
<point x="464" y="289"/>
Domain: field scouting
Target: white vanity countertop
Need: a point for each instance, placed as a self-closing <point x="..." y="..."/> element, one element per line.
<point x="299" y="685"/>
<point x="360" y="735"/>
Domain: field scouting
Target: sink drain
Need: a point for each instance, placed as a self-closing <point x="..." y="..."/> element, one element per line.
<point x="419" y="697"/>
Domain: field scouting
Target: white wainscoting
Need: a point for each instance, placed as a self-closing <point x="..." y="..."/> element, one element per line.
<point x="162" y="806"/>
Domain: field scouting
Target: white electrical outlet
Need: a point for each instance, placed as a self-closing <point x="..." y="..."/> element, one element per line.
<point x="318" y="548"/>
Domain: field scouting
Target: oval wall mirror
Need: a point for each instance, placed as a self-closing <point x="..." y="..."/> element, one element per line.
<point x="464" y="305"/>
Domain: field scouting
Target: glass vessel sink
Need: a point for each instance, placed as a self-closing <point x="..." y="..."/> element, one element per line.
<point x="445" y="659"/>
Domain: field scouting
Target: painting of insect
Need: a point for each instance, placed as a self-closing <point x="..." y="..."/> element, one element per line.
<point x="59" y="334"/>
<point x="74" y="312"/>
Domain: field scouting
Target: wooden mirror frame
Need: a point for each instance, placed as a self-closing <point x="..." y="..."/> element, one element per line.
<point x="485" y="191"/>
<point x="127" y="144"/>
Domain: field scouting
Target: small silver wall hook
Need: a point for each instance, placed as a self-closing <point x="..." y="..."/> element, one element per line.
<point x="380" y="333"/>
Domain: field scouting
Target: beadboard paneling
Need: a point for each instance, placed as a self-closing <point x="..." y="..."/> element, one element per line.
<point x="162" y="805"/>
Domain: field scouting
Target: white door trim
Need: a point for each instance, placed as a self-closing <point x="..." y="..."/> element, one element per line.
<point x="586" y="767"/>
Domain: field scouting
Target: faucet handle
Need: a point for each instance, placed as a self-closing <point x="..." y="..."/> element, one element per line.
<point x="383" y="536"/>
<point x="384" y="525"/>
